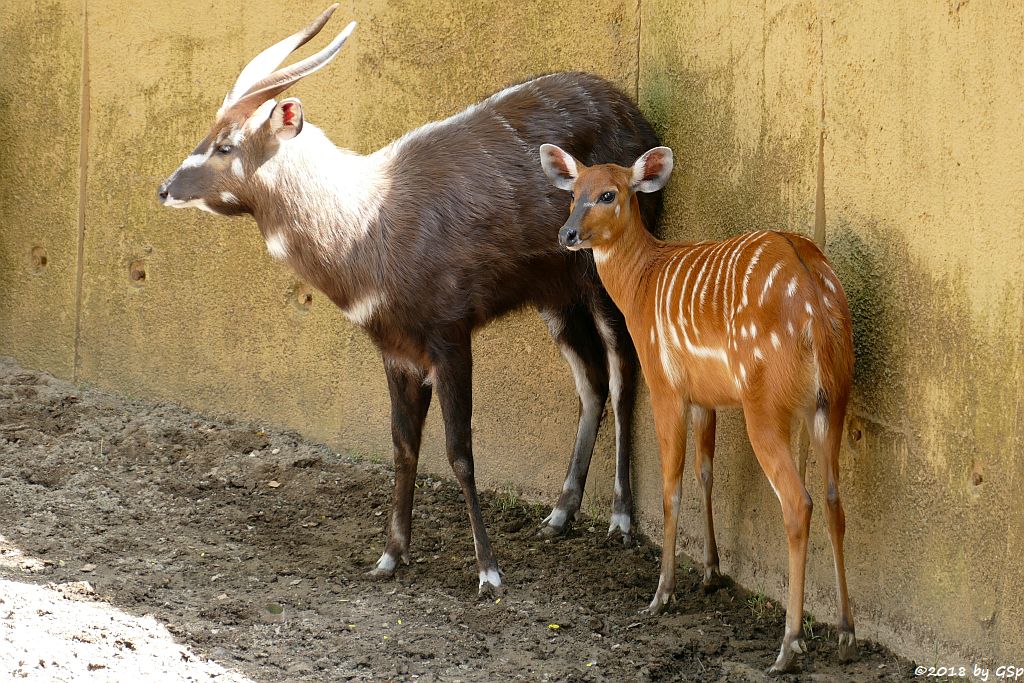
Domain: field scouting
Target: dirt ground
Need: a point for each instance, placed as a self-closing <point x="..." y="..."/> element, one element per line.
<point x="141" y="541"/>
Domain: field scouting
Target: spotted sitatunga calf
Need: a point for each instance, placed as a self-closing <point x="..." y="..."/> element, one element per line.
<point x="758" y="321"/>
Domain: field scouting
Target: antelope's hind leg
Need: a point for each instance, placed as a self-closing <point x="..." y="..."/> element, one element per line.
<point x="769" y="435"/>
<point x="574" y="331"/>
<point x="826" y="429"/>
<point x="622" y="373"/>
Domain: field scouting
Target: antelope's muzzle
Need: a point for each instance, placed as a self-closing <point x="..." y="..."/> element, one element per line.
<point x="569" y="237"/>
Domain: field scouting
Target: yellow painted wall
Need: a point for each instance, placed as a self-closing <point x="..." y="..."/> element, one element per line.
<point x="903" y="123"/>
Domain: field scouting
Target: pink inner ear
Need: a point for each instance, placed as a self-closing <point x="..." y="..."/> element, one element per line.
<point x="287" y="115"/>
<point x="560" y="163"/>
<point x="653" y="166"/>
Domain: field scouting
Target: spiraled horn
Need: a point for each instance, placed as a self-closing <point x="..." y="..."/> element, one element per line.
<point x="265" y="62"/>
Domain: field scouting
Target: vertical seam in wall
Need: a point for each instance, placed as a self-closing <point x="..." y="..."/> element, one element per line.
<point x="83" y="170"/>
<point x="639" y="36"/>
<point x="819" y="195"/>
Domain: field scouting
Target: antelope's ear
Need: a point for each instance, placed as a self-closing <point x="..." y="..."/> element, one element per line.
<point x="652" y="169"/>
<point x="559" y="166"/>
<point x="286" y="119"/>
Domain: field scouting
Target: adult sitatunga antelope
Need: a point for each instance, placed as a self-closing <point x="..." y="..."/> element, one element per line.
<point x="759" y="321"/>
<point x="428" y="238"/>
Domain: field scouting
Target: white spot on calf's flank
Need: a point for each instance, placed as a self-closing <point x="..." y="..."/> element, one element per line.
<point x="753" y="330"/>
<point x="775" y="340"/>
<point x="789" y="326"/>
<point x="277" y="246"/>
<point x="768" y="283"/>
<point x="791" y="289"/>
<point x="807" y="307"/>
<point x="743" y="373"/>
<point x="491" y="576"/>
<point x="757" y="353"/>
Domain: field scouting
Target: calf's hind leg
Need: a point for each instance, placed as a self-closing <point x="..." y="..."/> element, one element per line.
<point x="826" y="430"/>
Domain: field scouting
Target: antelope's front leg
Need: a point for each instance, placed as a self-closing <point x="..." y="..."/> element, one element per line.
<point x="410" y="399"/>
<point x="670" y="422"/>
<point x="454" y="382"/>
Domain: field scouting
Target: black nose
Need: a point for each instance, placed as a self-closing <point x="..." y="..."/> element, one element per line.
<point x="568" y="236"/>
<point x="162" y="192"/>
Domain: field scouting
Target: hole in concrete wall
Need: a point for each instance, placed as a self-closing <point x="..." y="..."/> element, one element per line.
<point x="854" y="432"/>
<point x="300" y="295"/>
<point x="38" y="259"/>
<point x="137" y="272"/>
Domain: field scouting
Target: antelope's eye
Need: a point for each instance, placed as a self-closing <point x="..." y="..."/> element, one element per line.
<point x="225" y="149"/>
<point x="607" y="198"/>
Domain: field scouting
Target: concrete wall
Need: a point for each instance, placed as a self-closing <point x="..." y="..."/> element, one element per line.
<point x="889" y="133"/>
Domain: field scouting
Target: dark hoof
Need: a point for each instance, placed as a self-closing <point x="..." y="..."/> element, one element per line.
<point x="379" y="574"/>
<point x="617" y="536"/>
<point x="713" y="580"/>
<point x="489" y="591"/>
<point x="659" y="605"/>
<point x="547" y="532"/>
<point x="786" y="661"/>
<point x="847" y="647"/>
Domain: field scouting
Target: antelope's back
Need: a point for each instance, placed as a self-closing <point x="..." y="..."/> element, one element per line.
<point x="475" y="201"/>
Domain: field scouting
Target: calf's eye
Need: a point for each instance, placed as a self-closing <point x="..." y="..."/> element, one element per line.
<point x="607" y="197"/>
<point x="225" y="149"/>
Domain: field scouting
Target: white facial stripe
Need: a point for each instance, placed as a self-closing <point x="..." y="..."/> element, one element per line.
<point x="236" y="168"/>
<point x="196" y="159"/>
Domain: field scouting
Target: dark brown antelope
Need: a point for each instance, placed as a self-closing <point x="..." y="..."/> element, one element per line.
<point x="758" y="321"/>
<point x="429" y="238"/>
